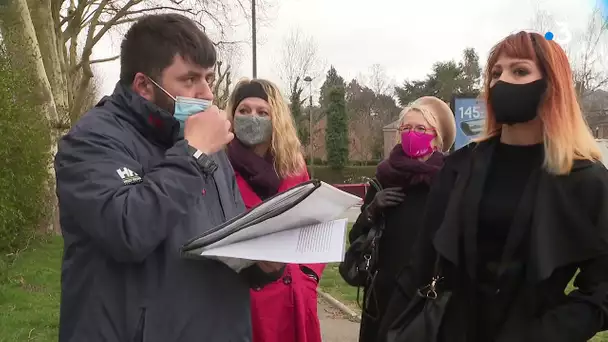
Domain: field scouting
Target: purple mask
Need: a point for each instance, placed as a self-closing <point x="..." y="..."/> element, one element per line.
<point x="417" y="145"/>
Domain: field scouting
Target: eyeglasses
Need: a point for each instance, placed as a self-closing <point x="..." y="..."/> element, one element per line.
<point x="416" y="129"/>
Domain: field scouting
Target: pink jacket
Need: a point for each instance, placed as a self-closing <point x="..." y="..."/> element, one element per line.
<point x="286" y="310"/>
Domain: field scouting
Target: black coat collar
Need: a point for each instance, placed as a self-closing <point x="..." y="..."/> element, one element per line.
<point x="155" y="123"/>
<point x="567" y="213"/>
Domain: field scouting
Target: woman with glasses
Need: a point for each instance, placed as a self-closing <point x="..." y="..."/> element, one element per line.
<point x="515" y="217"/>
<point x="426" y="132"/>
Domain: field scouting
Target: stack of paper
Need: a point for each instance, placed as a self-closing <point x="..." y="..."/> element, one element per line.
<point x="297" y="226"/>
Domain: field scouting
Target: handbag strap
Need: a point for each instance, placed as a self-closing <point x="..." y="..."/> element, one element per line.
<point x="373" y="182"/>
<point x="430" y="291"/>
<point x="437" y="266"/>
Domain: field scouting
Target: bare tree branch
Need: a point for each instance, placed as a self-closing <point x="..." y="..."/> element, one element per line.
<point x="542" y="21"/>
<point x="221" y="44"/>
<point x="86" y="22"/>
<point x="378" y="80"/>
<point x="93" y="38"/>
<point x="103" y="60"/>
<point x="74" y="18"/>
<point x="152" y="9"/>
<point x="299" y="58"/>
<point x="89" y="13"/>
<point x="587" y="51"/>
<point x="588" y="64"/>
<point x="221" y="88"/>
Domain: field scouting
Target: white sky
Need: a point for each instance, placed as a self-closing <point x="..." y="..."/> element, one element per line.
<point x="405" y="37"/>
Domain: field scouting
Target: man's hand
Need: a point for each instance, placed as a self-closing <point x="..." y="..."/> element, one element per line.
<point x="270" y="267"/>
<point x="208" y="131"/>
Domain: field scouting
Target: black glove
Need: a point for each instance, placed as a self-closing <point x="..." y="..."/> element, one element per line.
<point x="386" y="198"/>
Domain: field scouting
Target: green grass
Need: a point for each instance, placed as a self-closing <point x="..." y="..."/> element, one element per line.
<point x="601" y="337"/>
<point x="333" y="284"/>
<point x="29" y="296"/>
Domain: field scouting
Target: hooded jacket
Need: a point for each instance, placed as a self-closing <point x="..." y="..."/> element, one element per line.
<point x="130" y="196"/>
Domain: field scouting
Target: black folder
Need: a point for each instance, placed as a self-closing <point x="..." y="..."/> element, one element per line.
<point x="269" y="208"/>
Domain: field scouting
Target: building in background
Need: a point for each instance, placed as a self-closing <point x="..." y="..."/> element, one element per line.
<point x="390" y="134"/>
<point x="604" y="147"/>
<point x="595" y="108"/>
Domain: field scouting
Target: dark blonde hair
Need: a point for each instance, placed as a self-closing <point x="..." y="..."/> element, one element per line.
<point x="284" y="145"/>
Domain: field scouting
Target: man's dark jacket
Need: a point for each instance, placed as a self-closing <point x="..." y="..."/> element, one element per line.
<point x="130" y="196"/>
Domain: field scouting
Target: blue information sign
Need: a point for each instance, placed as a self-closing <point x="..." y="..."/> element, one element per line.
<point x="470" y="117"/>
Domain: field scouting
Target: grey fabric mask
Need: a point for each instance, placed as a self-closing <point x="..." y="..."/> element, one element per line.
<point x="252" y="129"/>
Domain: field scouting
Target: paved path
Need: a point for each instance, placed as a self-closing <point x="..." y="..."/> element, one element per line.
<point x="334" y="326"/>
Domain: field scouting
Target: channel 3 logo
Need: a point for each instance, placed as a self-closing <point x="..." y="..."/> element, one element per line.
<point x="561" y="35"/>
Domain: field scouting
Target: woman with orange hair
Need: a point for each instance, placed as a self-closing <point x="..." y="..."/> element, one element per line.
<point x="513" y="217"/>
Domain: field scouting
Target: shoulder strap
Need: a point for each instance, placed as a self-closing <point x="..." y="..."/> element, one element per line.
<point x="437" y="266"/>
<point x="373" y="182"/>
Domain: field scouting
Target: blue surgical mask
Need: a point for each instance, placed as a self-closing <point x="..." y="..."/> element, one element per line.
<point x="185" y="107"/>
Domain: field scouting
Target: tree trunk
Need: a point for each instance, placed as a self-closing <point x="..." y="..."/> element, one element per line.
<point x="22" y="46"/>
<point x="61" y="48"/>
<point x="52" y="58"/>
<point x="83" y="84"/>
<point x="23" y="49"/>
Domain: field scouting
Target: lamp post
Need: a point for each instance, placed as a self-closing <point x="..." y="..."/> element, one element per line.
<point x="254" y="40"/>
<point x="308" y="80"/>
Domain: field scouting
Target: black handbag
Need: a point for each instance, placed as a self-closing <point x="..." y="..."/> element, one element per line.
<point x="361" y="257"/>
<point x="421" y="320"/>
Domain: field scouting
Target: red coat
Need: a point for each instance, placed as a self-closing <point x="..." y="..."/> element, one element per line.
<point x="286" y="310"/>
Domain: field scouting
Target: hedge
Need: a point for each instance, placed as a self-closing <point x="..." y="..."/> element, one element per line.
<point x="25" y="156"/>
<point x="348" y="174"/>
<point x="373" y="162"/>
<point x="321" y="162"/>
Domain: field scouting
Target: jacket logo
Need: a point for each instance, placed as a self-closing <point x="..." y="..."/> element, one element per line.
<point x="128" y="177"/>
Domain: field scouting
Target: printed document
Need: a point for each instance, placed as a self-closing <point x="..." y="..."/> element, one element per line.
<point x="297" y="226"/>
<point x="317" y="243"/>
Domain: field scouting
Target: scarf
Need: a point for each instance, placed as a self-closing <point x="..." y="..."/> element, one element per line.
<point x="257" y="171"/>
<point x="399" y="170"/>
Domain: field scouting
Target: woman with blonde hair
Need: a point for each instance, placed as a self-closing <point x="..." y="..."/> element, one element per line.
<point x="426" y="131"/>
<point x="267" y="159"/>
<point x="513" y="217"/>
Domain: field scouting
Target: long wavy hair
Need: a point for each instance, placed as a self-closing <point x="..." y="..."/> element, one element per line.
<point x="567" y="136"/>
<point x="284" y="144"/>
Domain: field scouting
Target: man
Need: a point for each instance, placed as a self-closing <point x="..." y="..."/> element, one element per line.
<point x="132" y="191"/>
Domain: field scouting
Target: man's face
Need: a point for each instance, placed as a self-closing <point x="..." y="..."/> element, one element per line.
<point x="181" y="78"/>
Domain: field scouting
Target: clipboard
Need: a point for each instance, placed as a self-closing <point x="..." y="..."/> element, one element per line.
<point x="300" y="225"/>
<point x="277" y="204"/>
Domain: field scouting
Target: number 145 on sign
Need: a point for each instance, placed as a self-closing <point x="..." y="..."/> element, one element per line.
<point x="471" y="112"/>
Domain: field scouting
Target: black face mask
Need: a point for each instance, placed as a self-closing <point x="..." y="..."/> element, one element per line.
<point x="516" y="103"/>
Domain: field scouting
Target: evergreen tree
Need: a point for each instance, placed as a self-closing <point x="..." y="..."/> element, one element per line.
<point x="331" y="80"/>
<point x="295" y="105"/>
<point x="446" y="79"/>
<point x="336" y="133"/>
